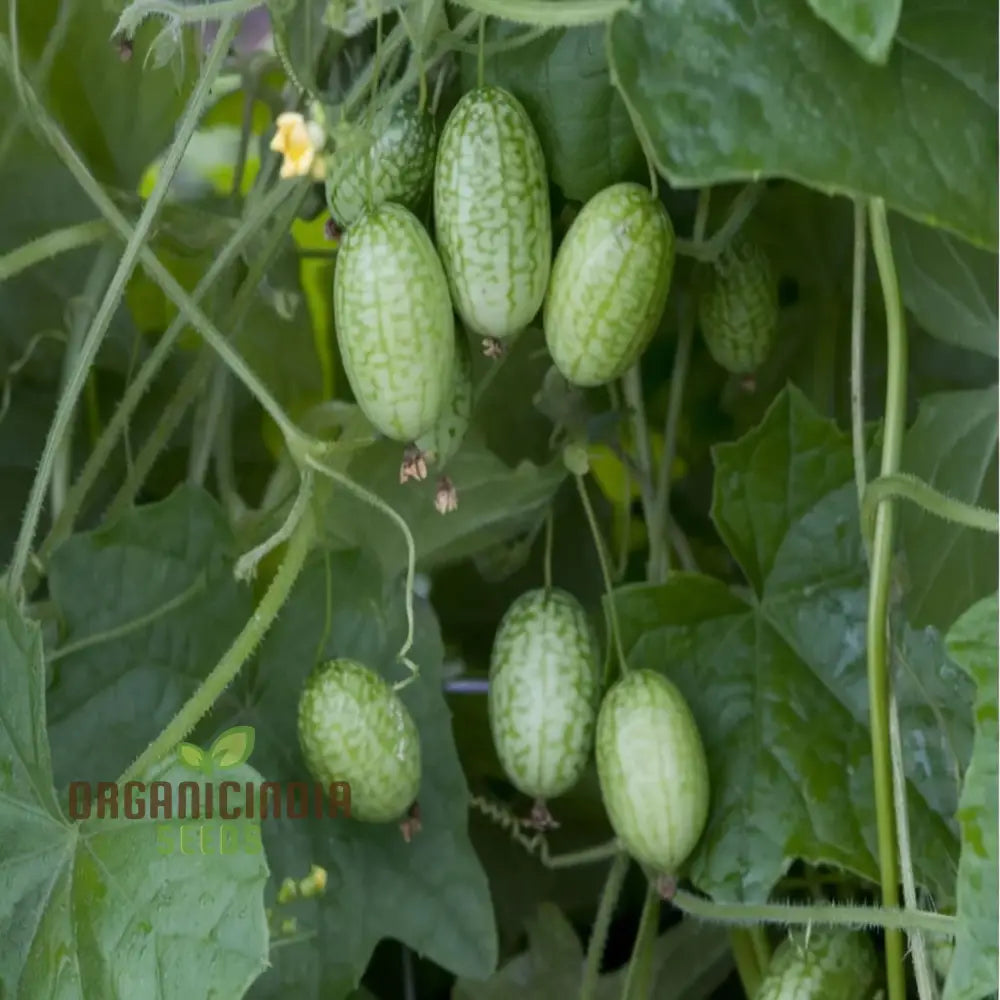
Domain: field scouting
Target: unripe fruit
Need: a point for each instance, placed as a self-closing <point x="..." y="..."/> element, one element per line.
<point x="738" y="307"/>
<point x="543" y="692"/>
<point x="398" y="166"/>
<point x="652" y="770"/>
<point x="609" y="284"/>
<point x="491" y="210"/>
<point x="394" y="322"/>
<point x="836" y="964"/>
<point x="441" y="442"/>
<point x="353" y="727"/>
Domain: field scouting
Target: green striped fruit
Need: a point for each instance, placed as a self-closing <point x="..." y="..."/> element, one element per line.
<point x="609" y="285"/>
<point x="441" y="442"/>
<point x="353" y="727"/>
<point x="394" y="322"/>
<point x="397" y="166"/>
<point x="491" y="209"/>
<point x="834" y="964"/>
<point x="652" y="770"/>
<point x="738" y="307"/>
<point x="543" y="692"/>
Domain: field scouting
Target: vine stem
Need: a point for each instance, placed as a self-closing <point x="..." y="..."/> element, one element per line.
<point x="543" y="13"/>
<point x="878" y="593"/>
<point x="611" y="612"/>
<point x="225" y="671"/>
<point x="50" y="245"/>
<point x="858" y="351"/>
<point x="678" y="377"/>
<point x="549" y="533"/>
<point x="602" y="923"/>
<point x="92" y="341"/>
<point x="638" y="984"/>
<point x="632" y="389"/>
<point x="823" y="914"/>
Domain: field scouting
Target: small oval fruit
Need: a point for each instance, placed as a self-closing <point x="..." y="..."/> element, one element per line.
<point x="609" y="284"/>
<point x="354" y="727"/>
<point x="738" y="307"/>
<point x="834" y="964"/>
<point x="543" y="692"/>
<point x="397" y="166"/>
<point x="652" y="770"/>
<point x="492" y="215"/>
<point x="441" y="442"/>
<point x="394" y="322"/>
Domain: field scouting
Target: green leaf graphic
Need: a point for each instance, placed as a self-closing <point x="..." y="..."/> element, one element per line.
<point x="191" y="756"/>
<point x="233" y="747"/>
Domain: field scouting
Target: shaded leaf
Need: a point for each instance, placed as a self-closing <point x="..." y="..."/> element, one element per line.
<point x="111" y="907"/>
<point x="972" y="642"/>
<point x="953" y="446"/>
<point x="734" y="90"/>
<point x="950" y="286"/>
<point x="233" y="747"/>
<point x="777" y="679"/>
<point x="868" y="26"/>
<point x="563" y="81"/>
<point x="167" y="566"/>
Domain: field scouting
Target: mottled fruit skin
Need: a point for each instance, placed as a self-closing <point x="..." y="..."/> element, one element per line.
<point x="394" y="322"/>
<point x="652" y="770"/>
<point x="738" y="308"/>
<point x="444" y="439"/>
<point x="609" y="284"/>
<point x="543" y="692"/>
<point x="492" y="215"/>
<point x="837" y="964"/>
<point x="398" y="166"/>
<point x="353" y="727"/>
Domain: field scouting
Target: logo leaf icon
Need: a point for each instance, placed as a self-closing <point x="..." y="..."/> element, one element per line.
<point x="191" y="756"/>
<point x="233" y="747"/>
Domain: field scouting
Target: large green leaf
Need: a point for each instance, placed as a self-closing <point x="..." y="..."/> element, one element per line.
<point x="562" y="79"/>
<point x="432" y="893"/>
<point x="149" y="603"/>
<point x="953" y="446"/>
<point x="949" y="286"/>
<point x="972" y="641"/>
<point x="731" y="90"/>
<point x="777" y="679"/>
<point x="110" y="907"/>
<point x="867" y="25"/>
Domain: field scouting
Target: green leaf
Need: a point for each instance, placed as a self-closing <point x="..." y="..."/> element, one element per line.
<point x="432" y="893"/>
<point x="948" y="285"/>
<point x="953" y="446"/>
<point x="563" y="81"/>
<point x="868" y="26"/>
<point x="153" y="599"/>
<point x="777" y="678"/>
<point x="731" y="90"/>
<point x="111" y="907"/>
<point x="233" y="747"/>
<point x="972" y="642"/>
<point x="191" y="756"/>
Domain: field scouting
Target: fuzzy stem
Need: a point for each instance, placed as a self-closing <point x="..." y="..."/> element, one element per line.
<point x="543" y="13"/>
<point x="858" y="351"/>
<point x="878" y="594"/>
<point x="112" y="298"/>
<point x="709" y="250"/>
<point x="549" y="533"/>
<point x="602" y="924"/>
<point x="225" y="671"/>
<point x="51" y="245"/>
<point x="634" y="403"/>
<point x="638" y="979"/>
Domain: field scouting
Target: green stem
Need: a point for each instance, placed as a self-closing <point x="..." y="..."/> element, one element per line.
<point x="878" y="594"/>
<point x="602" y="924"/>
<point x="481" y="54"/>
<point x="745" y="958"/>
<point x="824" y="914"/>
<point x="634" y="403"/>
<point x="639" y="979"/>
<point x="207" y="427"/>
<point x="247" y="563"/>
<point x="491" y="49"/>
<point x="112" y="298"/>
<point x="743" y="204"/>
<point x="225" y="671"/>
<point x="611" y="612"/>
<point x="135" y="625"/>
<point x="858" y="351"/>
<point x="51" y="245"/>
<point x="543" y="13"/>
<point x="549" y="533"/>
<point x="678" y="378"/>
<point x="181" y="13"/>
<point x="905" y="486"/>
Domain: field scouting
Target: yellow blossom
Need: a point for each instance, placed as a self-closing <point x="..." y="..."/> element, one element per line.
<point x="300" y="142"/>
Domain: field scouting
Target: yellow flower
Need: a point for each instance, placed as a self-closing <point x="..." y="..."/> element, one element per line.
<point x="300" y="142"/>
